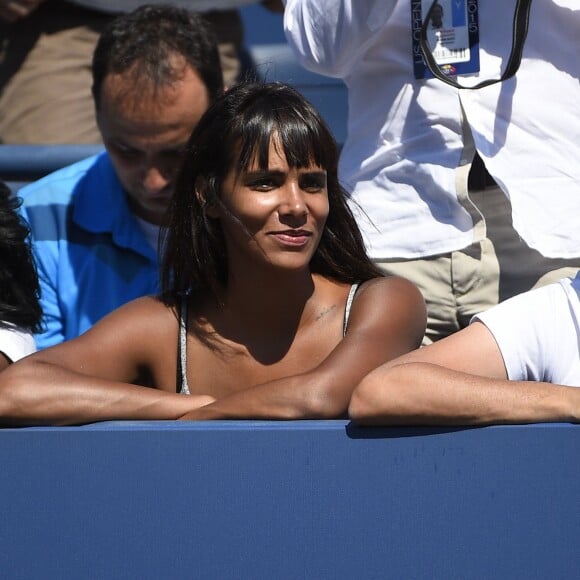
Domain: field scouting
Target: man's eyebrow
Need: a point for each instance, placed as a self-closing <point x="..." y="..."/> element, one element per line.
<point x="118" y="142"/>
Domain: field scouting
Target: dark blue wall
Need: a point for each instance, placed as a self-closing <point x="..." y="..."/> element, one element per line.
<point x="262" y="26"/>
<point x="313" y="499"/>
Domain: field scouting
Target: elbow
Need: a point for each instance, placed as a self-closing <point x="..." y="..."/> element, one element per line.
<point x="327" y="408"/>
<point x="379" y="399"/>
<point x="320" y="404"/>
<point x="358" y="407"/>
<point x="362" y="407"/>
<point x="317" y="57"/>
<point x="15" y="389"/>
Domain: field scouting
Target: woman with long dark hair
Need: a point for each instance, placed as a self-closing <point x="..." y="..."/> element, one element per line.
<point x="270" y="306"/>
<point x="19" y="308"/>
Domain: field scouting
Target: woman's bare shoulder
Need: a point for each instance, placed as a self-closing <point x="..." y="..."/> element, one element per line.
<point x="140" y="321"/>
<point x="393" y="288"/>
<point x="392" y="306"/>
<point x="394" y="282"/>
<point x="145" y="309"/>
<point x="380" y="294"/>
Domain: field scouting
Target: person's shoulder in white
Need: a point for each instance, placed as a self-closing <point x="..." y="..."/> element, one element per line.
<point x="15" y="343"/>
<point x="518" y="362"/>
<point x="538" y="333"/>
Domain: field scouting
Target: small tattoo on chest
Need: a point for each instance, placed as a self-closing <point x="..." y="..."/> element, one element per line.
<point x="325" y="311"/>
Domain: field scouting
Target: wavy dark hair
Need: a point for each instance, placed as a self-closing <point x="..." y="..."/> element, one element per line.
<point x="19" y="288"/>
<point x="146" y="38"/>
<point x="235" y="130"/>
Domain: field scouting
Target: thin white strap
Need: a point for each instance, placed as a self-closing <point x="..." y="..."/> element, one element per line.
<point x="349" y="300"/>
<point x="183" y="346"/>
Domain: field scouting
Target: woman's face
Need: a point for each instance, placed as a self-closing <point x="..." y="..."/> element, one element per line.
<point x="274" y="216"/>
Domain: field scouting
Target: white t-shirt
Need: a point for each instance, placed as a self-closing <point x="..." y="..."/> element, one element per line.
<point x="538" y="333"/>
<point x="405" y="137"/>
<point x="15" y="343"/>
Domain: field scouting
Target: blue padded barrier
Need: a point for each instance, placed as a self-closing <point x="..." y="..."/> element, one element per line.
<point x="289" y="500"/>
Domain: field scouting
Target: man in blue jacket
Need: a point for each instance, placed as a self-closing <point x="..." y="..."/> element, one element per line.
<point x="95" y="224"/>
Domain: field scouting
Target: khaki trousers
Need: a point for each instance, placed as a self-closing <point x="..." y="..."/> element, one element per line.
<point x="460" y="284"/>
<point x="45" y="76"/>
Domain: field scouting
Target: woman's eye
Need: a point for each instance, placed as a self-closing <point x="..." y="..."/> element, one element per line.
<point x="313" y="185"/>
<point x="262" y="184"/>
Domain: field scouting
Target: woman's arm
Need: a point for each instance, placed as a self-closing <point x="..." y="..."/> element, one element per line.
<point x="42" y="393"/>
<point x="387" y="319"/>
<point x="89" y="378"/>
<point x="460" y="380"/>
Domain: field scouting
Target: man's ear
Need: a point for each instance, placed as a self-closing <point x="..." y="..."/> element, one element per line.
<point x="206" y="197"/>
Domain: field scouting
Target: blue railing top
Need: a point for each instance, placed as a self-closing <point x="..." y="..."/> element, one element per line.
<point x="28" y="162"/>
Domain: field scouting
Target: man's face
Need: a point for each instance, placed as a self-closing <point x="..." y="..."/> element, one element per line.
<point x="145" y="130"/>
<point x="437" y="16"/>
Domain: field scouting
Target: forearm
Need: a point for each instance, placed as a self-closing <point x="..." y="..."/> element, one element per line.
<point x="37" y="393"/>
<point x="291" y="398"/>
<point x="426" y="394"/>
<point x="324" y="392"/>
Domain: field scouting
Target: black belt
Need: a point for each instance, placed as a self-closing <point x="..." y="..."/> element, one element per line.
<point x="479" y="177"/>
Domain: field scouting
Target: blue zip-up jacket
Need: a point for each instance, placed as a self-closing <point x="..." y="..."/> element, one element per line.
<point x="91" y="253"/>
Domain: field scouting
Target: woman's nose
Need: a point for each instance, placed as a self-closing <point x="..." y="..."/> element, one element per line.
<point x="293" y="200"/>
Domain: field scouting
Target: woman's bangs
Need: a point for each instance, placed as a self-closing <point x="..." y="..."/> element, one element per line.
<point x="254" y="143"/>
<point x="299" y="144"/>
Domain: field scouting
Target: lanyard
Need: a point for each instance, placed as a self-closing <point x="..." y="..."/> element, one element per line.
<point x="520" y="31"/>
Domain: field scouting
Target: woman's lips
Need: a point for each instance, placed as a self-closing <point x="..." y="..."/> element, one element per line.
<point x="295" y="239"/>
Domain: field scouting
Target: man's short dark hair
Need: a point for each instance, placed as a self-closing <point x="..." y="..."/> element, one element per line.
<point x="147" y="38"/>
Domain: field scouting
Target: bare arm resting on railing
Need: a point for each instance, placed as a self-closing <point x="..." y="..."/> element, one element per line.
<point x="464" y="379"/>
<point x="387" y="319"/>
<point x="89" y="378"/>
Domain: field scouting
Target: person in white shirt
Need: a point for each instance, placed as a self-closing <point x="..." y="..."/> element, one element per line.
<point x="519" y="362"/>
<point x="423" y="160"/>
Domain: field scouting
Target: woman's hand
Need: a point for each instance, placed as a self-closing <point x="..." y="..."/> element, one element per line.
<point x="197" y="401"/>
<point x="387" y="319"/>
